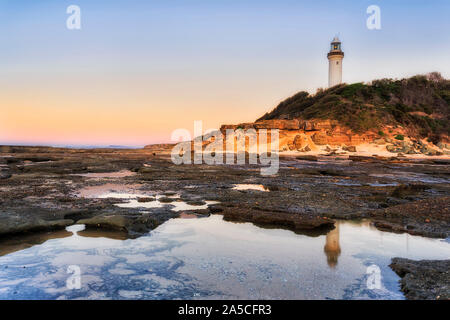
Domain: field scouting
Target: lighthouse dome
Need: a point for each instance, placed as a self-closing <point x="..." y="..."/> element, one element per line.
<point x="336" y="40"/>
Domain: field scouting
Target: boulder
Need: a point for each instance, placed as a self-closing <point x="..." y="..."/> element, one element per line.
<point x="391" y="148"/>
<point x="320" y="138"/>
<point x="299" y="143"/>
<point x="166" y="200"/>
<point x="303" y="142"/>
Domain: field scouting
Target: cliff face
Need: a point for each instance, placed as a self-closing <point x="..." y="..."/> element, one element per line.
<point x="413" y="112"/>
<point x="306" y="135"/>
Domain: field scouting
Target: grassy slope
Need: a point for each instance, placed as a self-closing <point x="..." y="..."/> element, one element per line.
<point x="420" y="104"/>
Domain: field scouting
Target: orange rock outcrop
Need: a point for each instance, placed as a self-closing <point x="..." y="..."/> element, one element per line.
<point x="307" y="135"/>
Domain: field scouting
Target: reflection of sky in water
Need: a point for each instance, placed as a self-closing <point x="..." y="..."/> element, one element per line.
<point x="176" y="205"/>
<point x="211" y="258"/>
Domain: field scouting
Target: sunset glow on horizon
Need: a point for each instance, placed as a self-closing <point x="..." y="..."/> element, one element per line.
<point x="137" y="70"/>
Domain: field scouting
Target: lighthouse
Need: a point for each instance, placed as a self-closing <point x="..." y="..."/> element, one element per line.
<point x="335" y="57"/>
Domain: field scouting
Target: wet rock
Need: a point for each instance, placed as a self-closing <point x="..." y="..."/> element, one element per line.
<point x="332" y="172"/>
<point x="423" y="280"/>
<point x="115" y="222"/>
<point x="145" y="170"/>
<point x="134" y="225"/>
<point x="13" y="160"/>
<point x="403" y="190"/>
<point x="442" y="161"/>
<point x="201" y="213"/>
<point x="166" y="200"/>
<point x="66" y="199"/>
<point x="215" y="209"/>
<point x="145" y="199"/>
<point x="323" y="172"/>
<point x="17" y="224"/>
<point x="274" y="187"/>
<point x="427" y="217"/>
<point x="362" y="158"/>
<point x="196" y="202"/>
<point x="293" y="221"/>
<point x="78" y="214"/>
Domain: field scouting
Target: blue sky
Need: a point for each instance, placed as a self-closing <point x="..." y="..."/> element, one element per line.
<point x="179" y="61"/>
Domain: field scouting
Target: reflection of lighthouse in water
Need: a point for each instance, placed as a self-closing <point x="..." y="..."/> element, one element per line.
<point x="332" y="248"/>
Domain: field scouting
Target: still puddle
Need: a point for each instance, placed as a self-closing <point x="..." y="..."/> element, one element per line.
<point x="257" y="187"/>
<point x="176" y="205"/>
<point x="213" y="259"/>
<point x="140" y="199"/>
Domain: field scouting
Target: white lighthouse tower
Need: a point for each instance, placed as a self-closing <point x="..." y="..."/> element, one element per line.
<point x="335" y="57"/>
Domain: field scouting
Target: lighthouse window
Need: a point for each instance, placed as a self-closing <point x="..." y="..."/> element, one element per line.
<point x="337" y="62"/>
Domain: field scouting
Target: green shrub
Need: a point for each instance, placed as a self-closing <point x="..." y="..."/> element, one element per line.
<point x="352" y="90"/>
<point x="363" y="107"/>
<point x="400" y="137"/>
<point x="427" y="109"/>
<point x="445" y="94"/>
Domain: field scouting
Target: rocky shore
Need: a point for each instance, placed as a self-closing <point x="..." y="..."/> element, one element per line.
<point x="40" y="189"/>
<point x="423" y="280"/>
<point x="50" y="188"/>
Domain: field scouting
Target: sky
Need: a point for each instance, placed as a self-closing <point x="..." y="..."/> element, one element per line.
<point x="138" y="70"/>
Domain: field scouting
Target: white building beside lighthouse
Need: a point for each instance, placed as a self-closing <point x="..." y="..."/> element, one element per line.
<point x="335" y="57"/>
